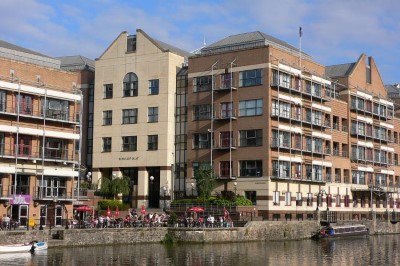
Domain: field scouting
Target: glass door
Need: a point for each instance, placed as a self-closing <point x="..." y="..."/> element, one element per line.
<point x="58" y="215"/>
<point x="23" y="215"/>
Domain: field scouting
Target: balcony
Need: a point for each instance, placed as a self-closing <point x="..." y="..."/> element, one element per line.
<point x="280" y="143"/>
<point x="286" y="86"/>
<point x="225" y="115"/>
<point x="29" y="112"/>
<point x="34" y="152"/>
<point x="225" y="145"/>
<point x="297" y="176"/>
<point x="226" y="84"/>
<point x="226" y="176"/>
<point x="49" y="193"/>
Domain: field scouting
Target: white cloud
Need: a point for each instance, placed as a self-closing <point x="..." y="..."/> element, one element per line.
<point x="334" y="31"/>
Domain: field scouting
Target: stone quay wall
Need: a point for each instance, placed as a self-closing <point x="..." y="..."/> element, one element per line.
<point x="253" y="231"/>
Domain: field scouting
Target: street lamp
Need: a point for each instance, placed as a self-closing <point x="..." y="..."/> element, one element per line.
<point x="192" y="184"/>
<point x="151" y="190"/>
<point x="89" y="176"/>
<point x="235" y="187"/>
<point x="165" y="190"/>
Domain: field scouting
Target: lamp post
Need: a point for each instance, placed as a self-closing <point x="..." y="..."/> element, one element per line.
<point x="235" y="187"/>
<point x="192" y="185"/>
<point x="165" y="190"/>
<point x="151" y="191"/>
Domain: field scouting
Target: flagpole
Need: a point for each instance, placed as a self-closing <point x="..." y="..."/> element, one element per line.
<point x="300" y="34"/>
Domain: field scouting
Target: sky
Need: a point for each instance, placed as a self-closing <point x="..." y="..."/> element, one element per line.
<point x="334" y="31"/>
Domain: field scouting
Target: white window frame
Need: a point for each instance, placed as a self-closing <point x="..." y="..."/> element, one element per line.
<point x="275" y="198"/>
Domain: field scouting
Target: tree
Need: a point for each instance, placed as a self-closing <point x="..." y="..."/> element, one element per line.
<point x="205" y="182"/>
<point x="111" y="187"/>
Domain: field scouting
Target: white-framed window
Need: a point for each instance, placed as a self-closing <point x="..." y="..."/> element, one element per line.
<point x="153" y="87"/>
<point x="130" y="87"/>
<point x="201" y="141"/>
<point x="108" y="91"/>
<point x="202" y="112"/>
<point x="281" y="169"/>
<point x="309" y="199"/>
<point x="250" y="78"/>
<point x="152" y="142"/>
<point x="280" y="139"/>
<point x="250" y="138"/>
<point x="203" y="83"/>
<point x="251" y="168"/>
<point x="284" y="79"/>
<point x="196" y="166"/>
<point x="251" y="107"/>
<point x="275" y="198"/>
<point x="129" y="116"/>
<point x="107" y="118"/>
<point x="281" y="109"/>
<point x="152" y="114"/>
<point x="106" y="145"/>
<point x="55" y="108"/>
<point x="226" y="110"/>
<point x="288" y="198"/>
<point x="314" y="172"/>
<point x="129" y="143"/>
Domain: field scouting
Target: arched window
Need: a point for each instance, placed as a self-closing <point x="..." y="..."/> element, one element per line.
<point x="130" y="85"/>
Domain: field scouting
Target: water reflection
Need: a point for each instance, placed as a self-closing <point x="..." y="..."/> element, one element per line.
<point x="379" y="250"/>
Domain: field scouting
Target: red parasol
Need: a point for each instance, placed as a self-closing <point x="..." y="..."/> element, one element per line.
<point x="83" y="209"/>
<point x="108" y="212"/>
<point x="143" y="210"/>
<point x="116" y="212"/>
<point x="196" y="209"/>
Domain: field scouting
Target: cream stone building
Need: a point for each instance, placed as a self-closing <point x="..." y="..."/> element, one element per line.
<point x="134" y="116"/>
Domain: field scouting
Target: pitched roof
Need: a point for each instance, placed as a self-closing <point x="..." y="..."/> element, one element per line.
<point x="14" y="47"/>
<point x="167" y="47"/>
<point x="76" y="62"/>
<point x="248" y="40"/>
<point x="18" y="53"/>
<point x="341" y="70"/>
<point x="393" y="90"/>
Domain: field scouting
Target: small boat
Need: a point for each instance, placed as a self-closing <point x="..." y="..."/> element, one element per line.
<point x="27" y="247"/>
<point x="341" y="231"/>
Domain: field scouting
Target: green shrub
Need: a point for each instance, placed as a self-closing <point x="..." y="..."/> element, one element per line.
<point x="173" y="218"/>
<point x="242" y="201"/>
<point x="168" y="239"/>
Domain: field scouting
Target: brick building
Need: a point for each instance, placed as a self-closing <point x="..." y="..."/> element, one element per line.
<point x="289" y="133"/>
<point x="40" y="136"/>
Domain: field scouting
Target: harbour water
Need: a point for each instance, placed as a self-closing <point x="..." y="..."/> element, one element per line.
<point x="374" y="250"/>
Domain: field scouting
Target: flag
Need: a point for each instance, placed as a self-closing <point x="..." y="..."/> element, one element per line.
<point x="300" y="32"/>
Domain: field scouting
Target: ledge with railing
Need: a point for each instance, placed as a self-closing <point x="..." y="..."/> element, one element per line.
<point x="35" y="152"/>
<point x="296" y="176"/>
<point x="29" y="111"/>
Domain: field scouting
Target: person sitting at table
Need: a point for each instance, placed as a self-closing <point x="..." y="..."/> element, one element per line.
<point x="6" y="221"/>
